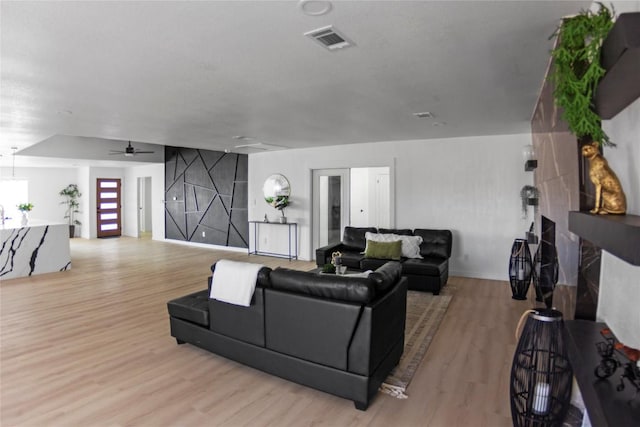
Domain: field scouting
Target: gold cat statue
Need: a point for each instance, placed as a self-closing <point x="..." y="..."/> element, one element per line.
<point x="610" y="198"/>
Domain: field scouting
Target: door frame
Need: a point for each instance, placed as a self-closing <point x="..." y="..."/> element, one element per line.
<point x="345" y="175"/>
<point x="144" y="208"/>
<point x="118" y="209"/>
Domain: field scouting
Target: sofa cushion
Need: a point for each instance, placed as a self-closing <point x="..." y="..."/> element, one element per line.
<point x="398" y="231"/>
<point x="353" y="237"/>
<point x="351" y="259"/>
<point x="372" y="263"/>
<point x="192" y="308"/>
<point x="330" y="286"/>
<point x="435" y="242"/>
<point x="386" y="275"/>
<point x="384" y="250"/>
<point x="433" y="266"/>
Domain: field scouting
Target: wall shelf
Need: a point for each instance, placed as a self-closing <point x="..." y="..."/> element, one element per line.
<point x="620" y="86"/>
<point x="616" y="234"/>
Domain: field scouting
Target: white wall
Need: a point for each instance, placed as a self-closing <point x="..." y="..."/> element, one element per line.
<point x="619" y="296"/>
<point x="468" y="185"/>
<point x="44" y="188"/>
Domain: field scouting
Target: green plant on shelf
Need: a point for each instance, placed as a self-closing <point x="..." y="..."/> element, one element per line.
<point x="577" y="70"/>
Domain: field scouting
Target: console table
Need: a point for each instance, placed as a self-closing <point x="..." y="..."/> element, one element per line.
<point x="290" y="227"/>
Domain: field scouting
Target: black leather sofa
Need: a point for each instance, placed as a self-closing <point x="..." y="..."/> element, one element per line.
<point x="339" y="334"/>
<point x="427" y="274"/>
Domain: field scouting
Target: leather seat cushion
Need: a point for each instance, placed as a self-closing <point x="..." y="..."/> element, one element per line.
<point x="435" y="243"/>
<point x="352" y="259"/>
<point x="385" y="276"/>
<point x="425" y="267"/>
<point x="372" y="263"/>
<point x="192" y="308"/>
<point x="353" y="237"/>
<point x="399" y="232"/>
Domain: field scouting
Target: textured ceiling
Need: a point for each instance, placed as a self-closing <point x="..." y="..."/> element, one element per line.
<point x="196" y="74"/>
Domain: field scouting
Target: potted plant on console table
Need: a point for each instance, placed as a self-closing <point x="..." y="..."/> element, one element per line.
<point x="71" y="195"/>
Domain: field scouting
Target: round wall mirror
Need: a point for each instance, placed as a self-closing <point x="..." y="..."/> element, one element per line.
<point x="275" y="188"/>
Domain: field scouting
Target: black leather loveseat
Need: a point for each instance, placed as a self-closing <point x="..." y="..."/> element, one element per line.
<point x="430" y="273"/>
<point x="339" y="334"/>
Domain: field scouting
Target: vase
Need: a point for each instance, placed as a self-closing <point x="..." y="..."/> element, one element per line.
<point x="283" y="220"/>
<point x="25" y="218"/>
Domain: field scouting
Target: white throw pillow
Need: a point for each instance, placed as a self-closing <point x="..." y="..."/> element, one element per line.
<point x="410" y="244"/>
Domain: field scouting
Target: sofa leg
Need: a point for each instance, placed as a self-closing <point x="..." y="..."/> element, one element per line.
<point x="436" y="292"/>
<point x="179" y="341"/>
<point x="361" y="406"/>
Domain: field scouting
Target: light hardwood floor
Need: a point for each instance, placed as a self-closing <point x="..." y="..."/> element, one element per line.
<point x="91" y="346"/>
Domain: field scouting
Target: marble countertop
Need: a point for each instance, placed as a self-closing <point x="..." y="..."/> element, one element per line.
<point x="12" y="224"/>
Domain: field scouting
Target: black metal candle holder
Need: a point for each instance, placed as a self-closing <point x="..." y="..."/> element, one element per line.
<point x="541" y="374"/>
<point x="520" y="269"/>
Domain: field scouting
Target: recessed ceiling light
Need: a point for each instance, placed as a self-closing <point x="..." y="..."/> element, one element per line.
<point x="315" y="7"/>
<point x="438" y="123"/>
<point x="425" y="115"/>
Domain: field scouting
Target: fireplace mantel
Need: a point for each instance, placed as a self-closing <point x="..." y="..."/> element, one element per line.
<point x="616" y="234"/>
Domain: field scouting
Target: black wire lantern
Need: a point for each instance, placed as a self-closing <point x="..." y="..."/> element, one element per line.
<point x="520" y="269"/>
<point x="541" y="374"/>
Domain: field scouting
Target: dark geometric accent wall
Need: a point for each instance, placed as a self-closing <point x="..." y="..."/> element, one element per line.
<point x="206" y="197"/>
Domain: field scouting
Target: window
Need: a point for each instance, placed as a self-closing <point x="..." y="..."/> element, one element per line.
<point x="12" y="193"/>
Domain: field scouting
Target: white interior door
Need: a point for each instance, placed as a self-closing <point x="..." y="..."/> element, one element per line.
<point x="330" y="205"/>
<point x="382" y="201"/>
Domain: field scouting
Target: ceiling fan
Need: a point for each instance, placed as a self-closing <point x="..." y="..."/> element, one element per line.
<point x="129" y="151"/>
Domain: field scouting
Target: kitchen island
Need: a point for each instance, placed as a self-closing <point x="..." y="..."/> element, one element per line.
<point x="35" y="248"/>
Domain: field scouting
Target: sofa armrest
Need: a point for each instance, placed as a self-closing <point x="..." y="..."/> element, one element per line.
<point x="380" y="328"/>
<point x="323" y="254"/>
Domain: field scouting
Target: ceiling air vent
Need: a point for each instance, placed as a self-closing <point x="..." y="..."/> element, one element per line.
<point x="329" y="37"/>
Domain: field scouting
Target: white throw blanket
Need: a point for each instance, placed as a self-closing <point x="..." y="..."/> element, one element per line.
<point x="234" y="282"/>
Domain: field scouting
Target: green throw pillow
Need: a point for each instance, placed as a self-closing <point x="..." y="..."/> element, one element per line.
<point x="384" y="250"/>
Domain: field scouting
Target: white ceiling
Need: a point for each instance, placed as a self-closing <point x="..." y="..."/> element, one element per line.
<point x="198" y="73"/>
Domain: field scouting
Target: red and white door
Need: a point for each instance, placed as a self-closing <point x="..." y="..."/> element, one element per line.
<point x="108" y="203"/>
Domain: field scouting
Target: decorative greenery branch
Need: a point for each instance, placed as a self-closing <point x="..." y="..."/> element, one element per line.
<point x="25" y="207"/>
<point x="577" y="70"/>
<point x="278" y="202"/>
<point x="71" y="194"/>
<point x="527" y="192"/>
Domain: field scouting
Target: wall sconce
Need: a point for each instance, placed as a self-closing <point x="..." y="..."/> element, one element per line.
<point x="528" y="155"/>
<point x="541" y="374"/>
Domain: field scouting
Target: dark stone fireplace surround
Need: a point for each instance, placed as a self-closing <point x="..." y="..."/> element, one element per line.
<point x="562" y="175"/>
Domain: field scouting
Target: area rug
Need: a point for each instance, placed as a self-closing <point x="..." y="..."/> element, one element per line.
<point x="425" y="311"/>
